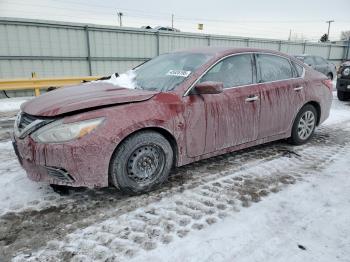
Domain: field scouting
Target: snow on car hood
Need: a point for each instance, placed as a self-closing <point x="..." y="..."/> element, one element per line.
<point x="84" y="96"/>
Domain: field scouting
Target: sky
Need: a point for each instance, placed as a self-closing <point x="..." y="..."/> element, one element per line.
<point x="277" y="19"/>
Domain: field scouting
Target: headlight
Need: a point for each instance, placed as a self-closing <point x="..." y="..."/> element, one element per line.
<point x="59" y="132"/>
<point x="346" y="71"/>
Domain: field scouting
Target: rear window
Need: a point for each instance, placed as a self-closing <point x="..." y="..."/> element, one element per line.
<point x="273" y="68"/>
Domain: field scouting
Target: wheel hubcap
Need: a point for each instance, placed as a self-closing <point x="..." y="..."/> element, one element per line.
<point x="306" y="125"/>
<point x="145" y="163"/>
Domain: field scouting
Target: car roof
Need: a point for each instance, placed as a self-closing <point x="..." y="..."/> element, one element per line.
<point x="222" y="51"/>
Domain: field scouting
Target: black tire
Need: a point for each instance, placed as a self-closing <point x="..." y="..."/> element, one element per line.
<point x="296" y="138"/>
<point x="141" y="163"/>
<point x="330" y="76"/>
<point x="343" y="96"/>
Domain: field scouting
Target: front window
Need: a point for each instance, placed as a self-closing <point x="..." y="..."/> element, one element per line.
<point x="233" y="71"/>
<point x="166" y="72"/>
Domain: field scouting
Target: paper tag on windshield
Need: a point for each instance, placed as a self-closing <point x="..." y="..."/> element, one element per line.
<point x="181" y="73"/>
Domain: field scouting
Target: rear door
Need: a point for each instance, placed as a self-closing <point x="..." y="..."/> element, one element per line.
<point x="281" y="94"/>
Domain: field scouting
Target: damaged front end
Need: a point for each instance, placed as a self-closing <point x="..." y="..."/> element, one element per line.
<point x="51" y="151"/>
<point x="26" y="124"/>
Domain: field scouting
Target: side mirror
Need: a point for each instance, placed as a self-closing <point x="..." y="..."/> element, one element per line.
<point x="209" y="87"/>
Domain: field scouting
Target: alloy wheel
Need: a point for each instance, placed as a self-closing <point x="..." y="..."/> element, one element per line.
<point x="306" y="125"/>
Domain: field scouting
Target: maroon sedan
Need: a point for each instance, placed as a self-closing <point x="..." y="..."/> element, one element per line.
<point x="183" y="107"/>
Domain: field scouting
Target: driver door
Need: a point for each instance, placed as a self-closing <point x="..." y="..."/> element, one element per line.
<point x="218" y="121"/>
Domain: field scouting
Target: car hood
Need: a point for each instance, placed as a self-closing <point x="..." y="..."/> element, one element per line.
<point x="85" y="96"/>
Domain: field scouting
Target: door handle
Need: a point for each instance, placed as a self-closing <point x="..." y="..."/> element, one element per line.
<point x="252" y="98"/>
<point x="298" y="88"/>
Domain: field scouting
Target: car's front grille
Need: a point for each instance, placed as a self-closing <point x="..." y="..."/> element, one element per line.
<point x="26" y="124"/>
<point x="25" y="120"/>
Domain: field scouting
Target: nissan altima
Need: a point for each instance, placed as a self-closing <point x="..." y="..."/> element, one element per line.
<point x="175" y="109"/>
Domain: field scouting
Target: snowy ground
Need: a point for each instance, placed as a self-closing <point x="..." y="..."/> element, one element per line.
<point x="273" y="202"/>
<point x="12" y="104"/>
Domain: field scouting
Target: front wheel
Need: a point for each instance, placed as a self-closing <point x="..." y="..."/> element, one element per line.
<point x="304" y="125"/>
<point x="141" y="163"/>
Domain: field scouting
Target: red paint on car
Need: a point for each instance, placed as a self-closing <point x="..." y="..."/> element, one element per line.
<point x="197" y="125"/>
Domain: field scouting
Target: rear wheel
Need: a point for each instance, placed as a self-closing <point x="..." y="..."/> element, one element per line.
<point x="141" y="163"/>
<point x="304" y="125"/>
<point x="343" y="96"/>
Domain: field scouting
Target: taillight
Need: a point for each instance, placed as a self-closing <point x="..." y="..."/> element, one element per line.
<point x="328" y="83"/>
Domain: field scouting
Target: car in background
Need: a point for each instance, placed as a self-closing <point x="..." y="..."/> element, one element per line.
<point x="319" y="64"/>
<point x="343" y="81"/>
<point x="182" y="107"/>
<point x="166" y="28"/>
<point x="161" y="28"/>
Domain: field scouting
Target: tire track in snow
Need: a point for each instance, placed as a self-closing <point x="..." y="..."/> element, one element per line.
<point x="202" y="201"/>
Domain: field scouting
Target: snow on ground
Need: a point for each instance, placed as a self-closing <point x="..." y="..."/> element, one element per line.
<point x="306" y="222"/>
<point x="12" y="104"/>
<point x="17" y="191"/>
<point x="209" y="211"/>
<point x="337" y="114"/>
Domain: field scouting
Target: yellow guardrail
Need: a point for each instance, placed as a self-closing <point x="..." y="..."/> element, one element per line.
<point x="42" y="83"/>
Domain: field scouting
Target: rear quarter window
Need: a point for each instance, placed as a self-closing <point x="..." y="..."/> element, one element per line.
<point x="273" y="68"/>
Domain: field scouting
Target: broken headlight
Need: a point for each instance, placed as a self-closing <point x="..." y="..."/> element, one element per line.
<point x="58" y="131"/>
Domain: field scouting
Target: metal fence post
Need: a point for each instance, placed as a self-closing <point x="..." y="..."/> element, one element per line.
<point x="348" y="50"/>
<point x="158" y="43"/>
<point x="329" y="51"/>
<point x="88" y="49"/>
<point x="36" y="89"/>
<point x="208" y="36"/>
<point x="304" y="47"/>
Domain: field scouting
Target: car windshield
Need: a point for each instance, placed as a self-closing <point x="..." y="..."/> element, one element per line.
<point x="167" y="71"/>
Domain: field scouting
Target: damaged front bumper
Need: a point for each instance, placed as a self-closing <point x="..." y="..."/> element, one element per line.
<point x="78" y="164"/>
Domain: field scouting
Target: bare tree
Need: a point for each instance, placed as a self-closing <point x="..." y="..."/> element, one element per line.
<point x="345" y="35"/>
<point x="297" y="37"/>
